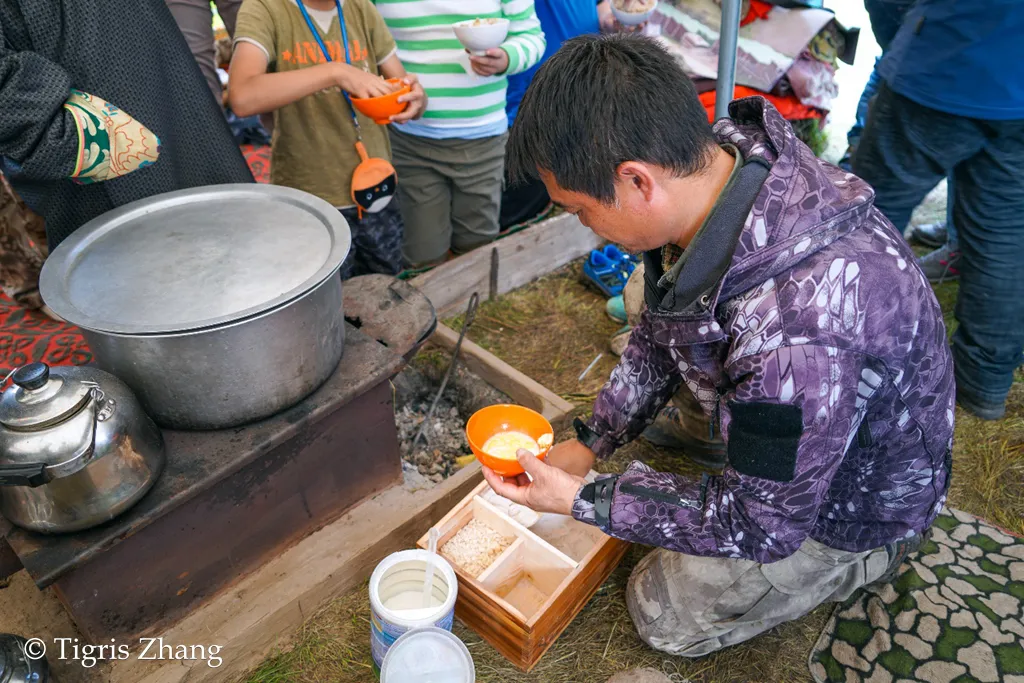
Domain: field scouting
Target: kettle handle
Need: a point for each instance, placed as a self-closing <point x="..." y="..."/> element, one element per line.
<point x="35" y="473"/>
<point x="83" y="456"/>
<point x="28" y="474"/>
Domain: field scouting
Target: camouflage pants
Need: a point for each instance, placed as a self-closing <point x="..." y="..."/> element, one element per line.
<point x="22" y="248"/>
<point x="692" y="606"/>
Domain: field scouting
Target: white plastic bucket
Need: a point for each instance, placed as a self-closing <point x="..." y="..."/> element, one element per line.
<point x="425" y="655"/>
<point x="396" y="598"/>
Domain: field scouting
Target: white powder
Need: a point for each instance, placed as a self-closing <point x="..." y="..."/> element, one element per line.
<point x="474" y="547"/>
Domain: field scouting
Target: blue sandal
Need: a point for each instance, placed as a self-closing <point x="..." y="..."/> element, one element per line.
<point x="604" y="273"/>
<point x="627" y="262"/>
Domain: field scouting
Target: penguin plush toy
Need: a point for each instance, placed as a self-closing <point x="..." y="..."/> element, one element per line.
<point x="373" y="182"/>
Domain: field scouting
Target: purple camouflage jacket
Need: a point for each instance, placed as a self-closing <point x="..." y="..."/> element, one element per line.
<point x="820" y="356"/>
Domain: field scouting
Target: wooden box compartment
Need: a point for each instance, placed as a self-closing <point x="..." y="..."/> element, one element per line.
<point x="530" y="593"/>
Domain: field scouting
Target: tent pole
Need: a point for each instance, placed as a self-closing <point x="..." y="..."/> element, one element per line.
<point x="727" y="40"/>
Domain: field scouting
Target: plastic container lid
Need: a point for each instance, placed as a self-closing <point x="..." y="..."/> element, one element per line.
<point x="428" y="655"/>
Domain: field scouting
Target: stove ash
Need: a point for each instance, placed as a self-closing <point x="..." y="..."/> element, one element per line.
<point x="435" y="457"/>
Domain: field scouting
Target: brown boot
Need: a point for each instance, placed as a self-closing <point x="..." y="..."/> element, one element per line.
<point x="620" y="340"/>
<point x="683" y="425"/>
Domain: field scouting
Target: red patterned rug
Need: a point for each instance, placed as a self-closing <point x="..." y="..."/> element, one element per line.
<point x="259" y="161"/>
<point x="30" y="336"/>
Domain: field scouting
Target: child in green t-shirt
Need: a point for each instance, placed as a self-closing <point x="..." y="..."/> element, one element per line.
<point x="279" y="66"/>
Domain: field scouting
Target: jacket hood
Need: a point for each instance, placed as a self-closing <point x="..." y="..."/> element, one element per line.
<point x="804" y="205"/>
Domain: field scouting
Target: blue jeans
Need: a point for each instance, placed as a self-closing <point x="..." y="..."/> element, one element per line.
<point x="906" y="149"/>
<point x="886" y="17"/>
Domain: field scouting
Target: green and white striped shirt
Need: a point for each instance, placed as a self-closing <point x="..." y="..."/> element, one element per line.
<point x="461" y="103"/>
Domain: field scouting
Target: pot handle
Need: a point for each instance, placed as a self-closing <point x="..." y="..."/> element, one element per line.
<point x="28" y="474"/>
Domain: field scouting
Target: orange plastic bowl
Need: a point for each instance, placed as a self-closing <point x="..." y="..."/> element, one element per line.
<point x="380" y="109"/>
<point x="492" y="420"/>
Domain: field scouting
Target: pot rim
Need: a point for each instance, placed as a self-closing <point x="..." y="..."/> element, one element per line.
<point x="54" y="285"/>
<point x="222" y="326"/>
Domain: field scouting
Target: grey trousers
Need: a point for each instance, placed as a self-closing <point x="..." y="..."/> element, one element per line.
<point x="195" y="19"/>
<point x="692" y="606"/>
<point x="449" y="192"/>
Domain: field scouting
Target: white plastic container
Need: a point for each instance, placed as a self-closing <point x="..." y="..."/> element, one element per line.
<point x="428" y="655"/>
<point x="396" y="598"/>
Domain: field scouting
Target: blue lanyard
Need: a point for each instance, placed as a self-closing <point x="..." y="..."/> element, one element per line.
<point x="327" y="55"/>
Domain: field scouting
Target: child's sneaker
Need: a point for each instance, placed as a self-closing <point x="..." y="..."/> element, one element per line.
<point x="604" y="273"/>
<point x="941" y="265"/>
<point x="616" y="309"/>
<point x="626" y="261"/>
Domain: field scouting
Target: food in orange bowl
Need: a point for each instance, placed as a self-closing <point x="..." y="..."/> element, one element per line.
<point x="503" y="429"/>
<point x="382" y="108"/>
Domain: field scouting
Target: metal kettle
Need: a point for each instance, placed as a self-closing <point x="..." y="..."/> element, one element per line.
<point x="17" y="666"/>
<point x="76" y="448"/>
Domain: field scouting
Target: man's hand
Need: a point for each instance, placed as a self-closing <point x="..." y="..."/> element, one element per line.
<point x="493" y="63"/>
<point x="552" y="489"/>
<point x="417" y="100"/>
<point x="359" y="83"/>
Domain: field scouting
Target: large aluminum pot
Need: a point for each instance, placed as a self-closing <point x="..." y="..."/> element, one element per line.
<point x="218" y="306"/>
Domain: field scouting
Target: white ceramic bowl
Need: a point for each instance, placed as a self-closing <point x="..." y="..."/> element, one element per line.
<point x="478" y="39"/>
<point x="633" y="18"/>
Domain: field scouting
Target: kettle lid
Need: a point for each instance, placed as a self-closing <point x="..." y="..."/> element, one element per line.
<point x="41" y="397"/>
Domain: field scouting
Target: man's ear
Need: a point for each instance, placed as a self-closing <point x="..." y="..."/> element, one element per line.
<point x="634" y="176"/>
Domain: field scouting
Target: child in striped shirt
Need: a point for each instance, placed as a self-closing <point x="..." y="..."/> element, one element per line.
<point x="451" y="162"/>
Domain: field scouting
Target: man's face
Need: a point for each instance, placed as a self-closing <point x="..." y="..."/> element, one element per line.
<point x="632" y="220"/>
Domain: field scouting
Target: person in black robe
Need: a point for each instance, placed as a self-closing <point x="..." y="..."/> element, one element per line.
<point x="130" y="54"/>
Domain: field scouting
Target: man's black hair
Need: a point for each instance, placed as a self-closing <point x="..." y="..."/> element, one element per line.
<point x="603" y="100"/>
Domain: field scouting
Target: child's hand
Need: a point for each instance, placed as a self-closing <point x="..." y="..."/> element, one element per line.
<point x="361" y="84"/>
<point x="491" y="64"/>
<point x="417" y="100"/>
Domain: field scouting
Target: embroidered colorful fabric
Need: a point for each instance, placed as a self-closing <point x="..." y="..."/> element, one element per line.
<point x="791" y="108"/>
<point x="758" y="10"/>
<point x="110" y="142"/>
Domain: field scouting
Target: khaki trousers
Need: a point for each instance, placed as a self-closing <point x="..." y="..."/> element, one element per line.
<point x="692" y="606"/>
<point x="449" y="193"/>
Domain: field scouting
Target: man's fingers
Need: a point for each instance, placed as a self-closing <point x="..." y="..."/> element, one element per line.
<point x="530" y="462"/>
<point x="503" y="488"/>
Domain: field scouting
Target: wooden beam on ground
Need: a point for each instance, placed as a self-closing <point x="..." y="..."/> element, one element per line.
<point x="505" y="378"/>
<point x="521" y="259"/>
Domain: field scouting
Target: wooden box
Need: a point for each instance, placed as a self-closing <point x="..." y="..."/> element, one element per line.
<point x="523" y="601"/>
